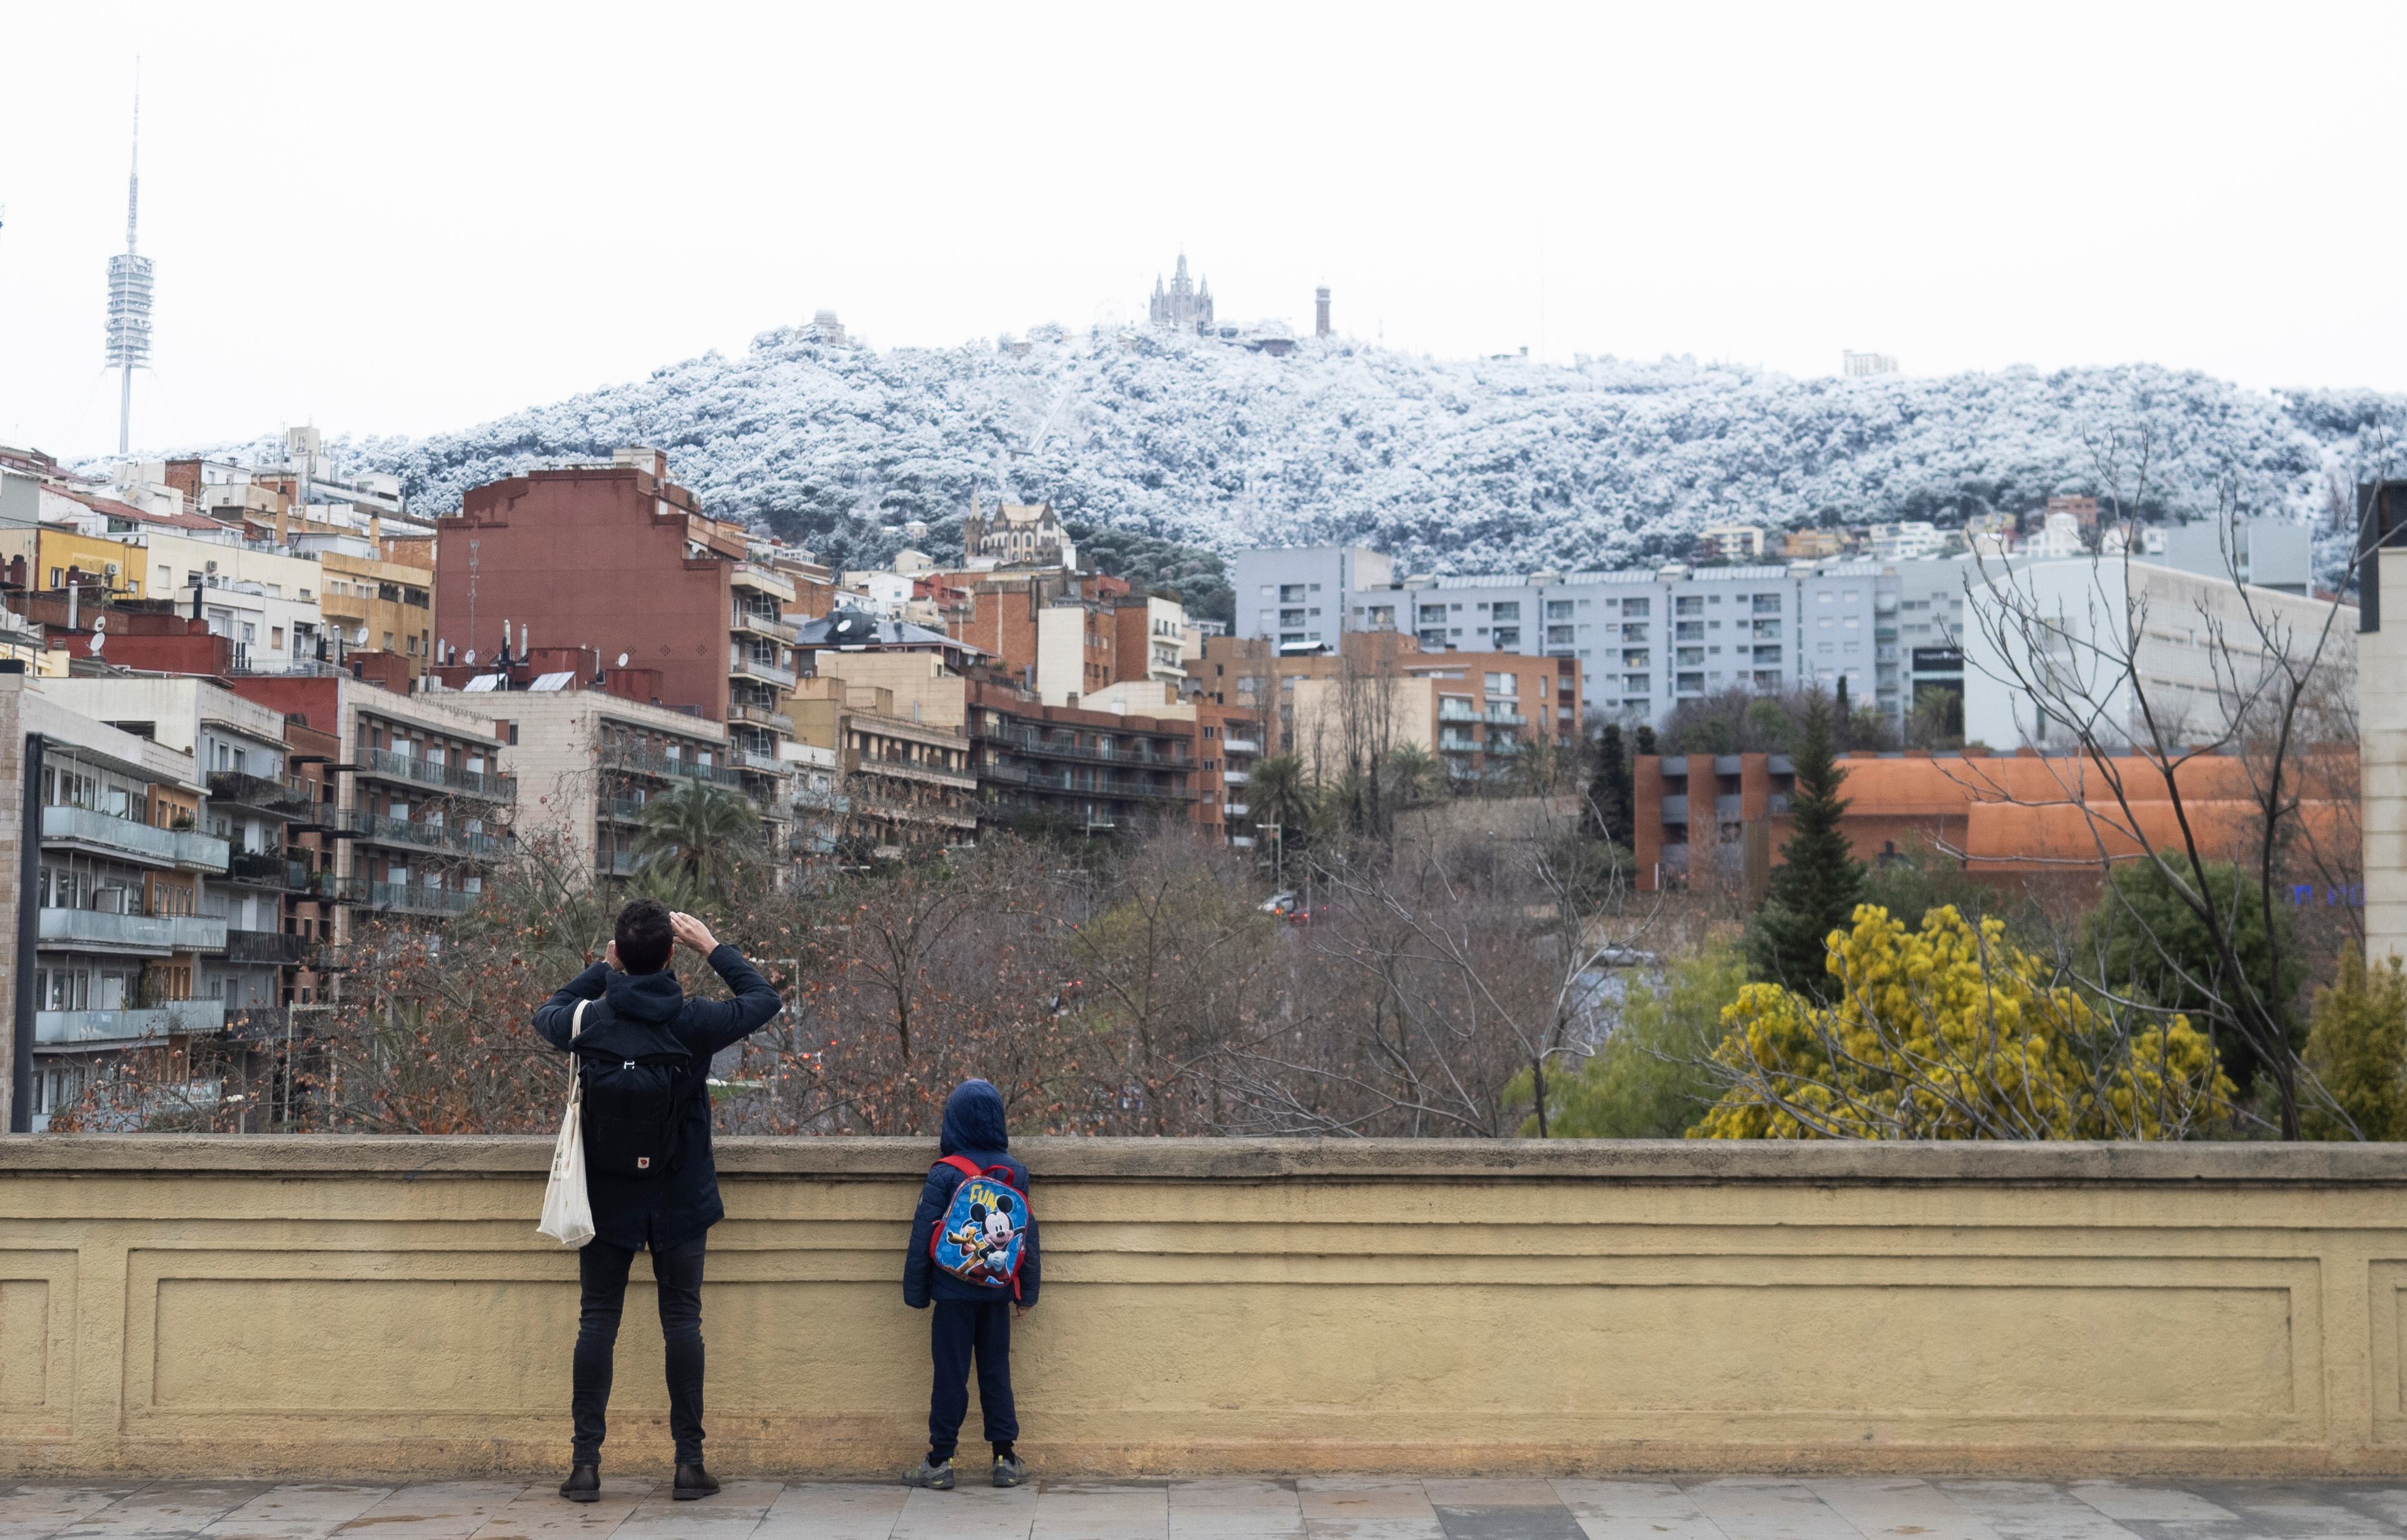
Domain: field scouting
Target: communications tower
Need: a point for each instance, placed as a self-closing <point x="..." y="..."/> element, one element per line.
<point x="129" y="298"/>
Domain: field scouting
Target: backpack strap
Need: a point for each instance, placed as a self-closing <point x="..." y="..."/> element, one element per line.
<point x="962" y="1163"/>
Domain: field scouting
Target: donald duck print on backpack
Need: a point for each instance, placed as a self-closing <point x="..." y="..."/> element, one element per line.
<point x="984" y="1230"/>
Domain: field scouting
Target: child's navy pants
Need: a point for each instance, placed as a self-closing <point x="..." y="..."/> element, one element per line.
<point x="958" y="1329"/>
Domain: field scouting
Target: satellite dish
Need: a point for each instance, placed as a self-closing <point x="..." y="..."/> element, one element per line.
<point x="472" y="655"/>
<point x="100" y="622"/>
<point x="98" y="639"/>
<point x="622" y="659"/>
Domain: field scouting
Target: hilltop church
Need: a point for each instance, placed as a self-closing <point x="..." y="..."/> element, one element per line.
<point x="1184" y="306"/>
<point x="1020" y="534"/>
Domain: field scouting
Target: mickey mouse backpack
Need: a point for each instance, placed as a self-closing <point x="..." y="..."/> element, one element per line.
<point x="984" y="1231"/>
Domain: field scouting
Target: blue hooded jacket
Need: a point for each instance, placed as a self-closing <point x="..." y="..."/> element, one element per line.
<point x="973" y="1128"/>
<point x="665" y="1212"/>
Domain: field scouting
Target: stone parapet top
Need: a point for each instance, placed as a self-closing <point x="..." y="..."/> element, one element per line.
<point x="1240" y="1161"/>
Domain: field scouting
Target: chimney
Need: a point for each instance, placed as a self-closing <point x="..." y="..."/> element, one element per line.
<point x="1320" y="312"/>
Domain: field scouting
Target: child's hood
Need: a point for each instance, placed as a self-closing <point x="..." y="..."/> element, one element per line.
<point x="974" y="1119"/>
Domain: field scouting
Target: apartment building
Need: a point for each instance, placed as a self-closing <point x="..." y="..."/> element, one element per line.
<point x="588" y="761"/>
<point x="1094" y="771"/>
<point x="423" y="807"/>
<point x="1295" y="595"/>
<point x="264" y="602"/>
<point x="1291" y="697"/>
<point x="121" y="937"/>
<point x="371" y="602"/>
<point x="1732" y="542"/>
<point x="619" y="559"/>
<point x="271" y="917"/>
<point x="1149" y="640"/>
<point x="900" y="770"/>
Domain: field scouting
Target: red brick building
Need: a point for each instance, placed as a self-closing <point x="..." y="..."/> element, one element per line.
<point x="617" y="558"/>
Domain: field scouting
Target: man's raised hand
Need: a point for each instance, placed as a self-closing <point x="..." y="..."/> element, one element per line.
<point x="694" y="932"/>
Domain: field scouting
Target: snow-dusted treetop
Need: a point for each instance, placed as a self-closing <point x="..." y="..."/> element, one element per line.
<point x="1447" y="464"/>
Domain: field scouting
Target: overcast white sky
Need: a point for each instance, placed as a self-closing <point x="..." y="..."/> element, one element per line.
<point x="407" y="219"/>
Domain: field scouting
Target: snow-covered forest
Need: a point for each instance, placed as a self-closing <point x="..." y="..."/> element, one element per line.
<point x="1449" y="465"/>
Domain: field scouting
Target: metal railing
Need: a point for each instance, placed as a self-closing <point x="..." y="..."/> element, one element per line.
<point x="744" y="666"/>
<point x="379" y="829"/>
<point x="426" y="772"/>
<point x="105" y="928"/>
<point x="1031" y="743"/>
<point x="279" y="947"/>
<point x="1242" y="746"/>
<point x="268" y="869"/>
<point x="282" y="798"/>
<point x="643" y="762"/>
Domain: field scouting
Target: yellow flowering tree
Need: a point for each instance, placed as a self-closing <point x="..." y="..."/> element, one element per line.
<point x="1950" y="1032"/>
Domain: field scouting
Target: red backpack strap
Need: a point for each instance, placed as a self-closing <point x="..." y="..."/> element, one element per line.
<point x="963" y="1164"/>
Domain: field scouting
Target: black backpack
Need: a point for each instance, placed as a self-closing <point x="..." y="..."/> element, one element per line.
<point x="634" y="1115"/>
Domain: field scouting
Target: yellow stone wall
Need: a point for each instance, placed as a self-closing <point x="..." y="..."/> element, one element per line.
<point x="265" y="1306"/>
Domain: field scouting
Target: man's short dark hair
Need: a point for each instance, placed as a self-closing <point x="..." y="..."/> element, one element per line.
<point x="644" y="936"/>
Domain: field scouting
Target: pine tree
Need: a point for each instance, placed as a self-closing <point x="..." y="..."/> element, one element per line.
<point x="1817" y="890"/>
<point x="1611" y="791"/>
<point x="1644" y="741"/>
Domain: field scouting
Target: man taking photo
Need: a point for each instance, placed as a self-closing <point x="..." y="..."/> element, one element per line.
<point x="644" y="1051"/>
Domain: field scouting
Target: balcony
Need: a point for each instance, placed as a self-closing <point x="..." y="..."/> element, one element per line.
<point x="90" y="1028"/>
<point x="279" y="949"/>
<point x="1242" y="746"/>
<point x="748" y="623"/>
<point x="275" y="798"/>
<point x="419" y="899"/>
<point x="1448" y="743"/>
<point x="1676" y="809"/>
<point x="1033" y="742"/>
<point x="196" y="934"/>
<point x="415" y="770"/>
<point x="1010" y="774"/>
<point x="1448" y="711"/>
<point x="748" y="576"/>
<point x="619" y="809"/>
<point x="106" y="928"/>
<point x="755" y="763"/>
<point x="761" y="716"/>
<point x="107" y="834"/>
<point x="1236" y="778"/>
<point x="268" y="869"/>
<point x="744" y="666"/>
<point x="1237" y="809"/>
<point x="412" y="835"/>
<point x="329" y="888"/>
<point x="1497" y="715"/>
<point x="912" y="770"/>
<point x="643" y="762"/>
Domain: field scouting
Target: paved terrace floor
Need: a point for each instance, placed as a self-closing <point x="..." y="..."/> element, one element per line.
<point x="1309" y="1508"/>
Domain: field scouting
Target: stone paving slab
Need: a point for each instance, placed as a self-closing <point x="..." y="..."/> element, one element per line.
<point x="1724" y="1508"/>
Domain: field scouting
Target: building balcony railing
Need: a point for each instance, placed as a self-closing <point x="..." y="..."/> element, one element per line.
<point x="619" y="809"/>
<point x="283" y="799"/>
<point x="420" y="771"/>
<point x="417" y="898"/>
<point x="748" y="623"/>
<point x="1236" y="778"/>
<point x="1448" y="743"/>
<point x="196" y="934"/>
<point x="1450" y="713"/>
<point x="1497" y="716"/>
<point x="904" y="810"/>
<point x="1242" y="746"/>
<point x="761" y="716"/>
<point x="1012" y="775"/>
<point x="279" y="947"/>
<point x="411" y="834"/>
<point x="747" y="667"/>
<point x="643" y="762"/>
<point x="1064" y="783"/>
<point x="1038" y="744"/>
<point x="106" y="928"/>
<point x="177" y="1018"/>
<point x="329" y="888"/>
<point x="1237" y="809"/>
<point x="914" y="770"/>
<point x="268" y="869"/>
<point x="113" y="835"/>
<point x="755" y="763"/>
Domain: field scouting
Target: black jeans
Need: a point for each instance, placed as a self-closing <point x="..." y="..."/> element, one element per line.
<point x="958" y="1329"/>
<point x="602" y="1269"/>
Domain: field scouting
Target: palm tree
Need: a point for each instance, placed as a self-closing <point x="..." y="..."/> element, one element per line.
<point x="1281" y="800"/>
<point x="1414" y="773"/>
<point x="703" y="834"/>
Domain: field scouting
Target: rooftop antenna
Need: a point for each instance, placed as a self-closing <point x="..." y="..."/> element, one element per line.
<point x="129" y="289"/>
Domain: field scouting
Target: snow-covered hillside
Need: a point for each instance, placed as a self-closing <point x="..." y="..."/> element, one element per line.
<point x="1448" y="465"/>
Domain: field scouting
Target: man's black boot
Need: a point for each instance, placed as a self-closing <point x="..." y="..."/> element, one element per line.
<point x="584" y="1484"/>
<point x="692" y="1481"/>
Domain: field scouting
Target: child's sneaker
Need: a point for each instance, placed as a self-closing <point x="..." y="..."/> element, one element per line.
<point x="1008" y="1471"/>
<point x="934" y="1477"/>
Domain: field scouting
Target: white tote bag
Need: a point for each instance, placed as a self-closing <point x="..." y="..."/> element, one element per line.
<point x="567" y="1213"/>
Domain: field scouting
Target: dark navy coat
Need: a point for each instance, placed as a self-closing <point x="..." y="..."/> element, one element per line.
<point x="973" y="1128"/>
<point x="666" y="1211"/>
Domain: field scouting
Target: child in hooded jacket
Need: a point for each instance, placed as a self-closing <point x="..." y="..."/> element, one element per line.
<point x="970" y="1320"/>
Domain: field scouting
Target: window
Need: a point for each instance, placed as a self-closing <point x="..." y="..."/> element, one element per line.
<point x="1691" y="684"/>
<point x="1635" y="633"/>
<point x="1688" y="631"/>
<point x="1503" y="684"/>
<point x="1689" y="655"/>
<point x="1635" y="657"/>
<point x="1636" y="684"/>
<point x="1290" y="593"/>
<point x="1506" y="609"/>
<point x="1432" y="615"/>
<point x="275" y="637"/>
<point x="1689" y="603"/>
<point x="1767" y="603"/>
<point x="1508" y="637"/>
<point x="1631" y="607"/>
<point x="1558" y="635"/>
<point x="1558" y="609"/>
